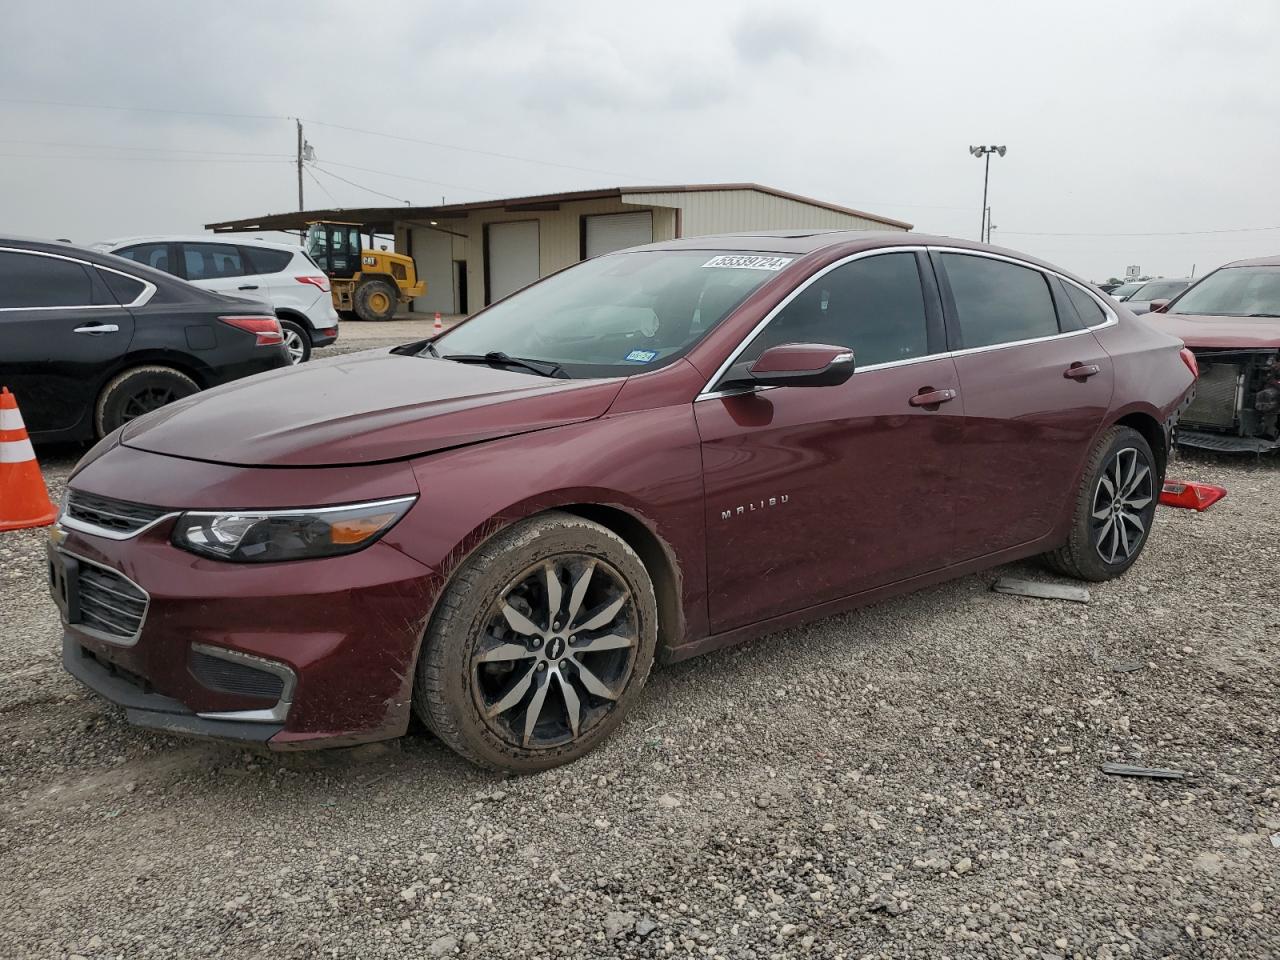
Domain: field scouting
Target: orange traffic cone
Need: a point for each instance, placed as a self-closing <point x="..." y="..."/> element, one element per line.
<point x="439" y="324"/>
<point x="24" y="501"/>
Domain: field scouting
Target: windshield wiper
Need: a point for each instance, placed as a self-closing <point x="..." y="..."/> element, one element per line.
<point x="431" y="349"/>
<point x="1262" y="314"/>
<point x="543" y="368"/>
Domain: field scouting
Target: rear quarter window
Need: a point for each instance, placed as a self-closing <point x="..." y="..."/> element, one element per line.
<point x="1088" y="308"/>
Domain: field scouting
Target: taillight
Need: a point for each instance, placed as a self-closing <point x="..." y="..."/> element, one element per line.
<point x="266" y="329"/>
<point x="321" y="282"/>
<point x="1189" y="359"/>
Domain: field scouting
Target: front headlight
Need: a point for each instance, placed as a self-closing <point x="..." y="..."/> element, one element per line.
<point x="273" y="536"/>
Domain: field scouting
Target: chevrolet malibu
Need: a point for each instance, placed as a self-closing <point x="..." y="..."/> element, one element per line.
<point x="650" y="455"/>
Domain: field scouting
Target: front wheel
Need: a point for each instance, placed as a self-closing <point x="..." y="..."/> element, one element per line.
<point x="375" y="300"/>
<point x="539" y="645"/>
<point x="1114" y="509"/>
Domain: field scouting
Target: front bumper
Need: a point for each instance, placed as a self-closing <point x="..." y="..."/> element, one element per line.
<point x="1225" y="442"/>
<point x="308" y="653"/>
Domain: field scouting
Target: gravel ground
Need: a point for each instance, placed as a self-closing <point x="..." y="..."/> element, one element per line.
<point x="917" y="779"/>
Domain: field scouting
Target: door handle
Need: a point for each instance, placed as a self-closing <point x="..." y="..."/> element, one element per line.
<point x="248" y="286"/>
<point x="98" y="328"/>
<point x="931" y="398"/>
<point x="1081" y="371"/>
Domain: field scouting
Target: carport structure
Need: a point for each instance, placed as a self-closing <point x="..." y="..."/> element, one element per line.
<point x="472" y="254"/>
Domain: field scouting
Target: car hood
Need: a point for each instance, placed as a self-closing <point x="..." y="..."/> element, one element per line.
<point x="1207" y="332"/>
<point x="363" y="408"/>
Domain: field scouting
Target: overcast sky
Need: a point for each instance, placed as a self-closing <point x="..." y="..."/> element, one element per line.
<point x="1120" y="118"/>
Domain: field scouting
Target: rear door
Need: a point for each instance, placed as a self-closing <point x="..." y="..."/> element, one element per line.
<point x="61" y="332"/>
<point x="818" y="493"/>
<point x="272" y="272"/>
<point x="1036" y="384"/>
<point x="220" y="267"/>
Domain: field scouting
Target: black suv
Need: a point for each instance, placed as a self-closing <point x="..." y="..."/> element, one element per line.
<point x="88" y="341"/>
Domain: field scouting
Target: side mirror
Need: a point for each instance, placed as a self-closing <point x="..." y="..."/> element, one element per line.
<point x="798" y="365"/>
<point x="1157" y="306"/>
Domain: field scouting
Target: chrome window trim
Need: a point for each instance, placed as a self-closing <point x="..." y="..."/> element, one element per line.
<point x="1112" y="318"/>
<point x="148" y="288"/>
<point x="706" y="393"/>
<point x="99" y="634"/>
<point x="276" y="714"/>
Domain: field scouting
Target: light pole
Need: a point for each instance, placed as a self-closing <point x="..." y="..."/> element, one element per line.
<point x="986" y="176"/>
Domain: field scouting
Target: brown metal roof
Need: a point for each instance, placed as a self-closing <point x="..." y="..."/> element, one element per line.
<point x="382" y="219"/>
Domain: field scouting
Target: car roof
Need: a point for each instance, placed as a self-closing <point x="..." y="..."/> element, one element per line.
<point x="1272" y="261"/>
<point x="199" y="238"/>
<point x="99" y="257"/>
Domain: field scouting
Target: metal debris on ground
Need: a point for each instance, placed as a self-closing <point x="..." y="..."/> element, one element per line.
<point x="1043" y="591"/>
<point x="1156" y="773"/>
<point x="1126" y="667"/>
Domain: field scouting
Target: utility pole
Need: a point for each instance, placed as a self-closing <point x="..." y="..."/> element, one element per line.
<point x="300" y="204"/>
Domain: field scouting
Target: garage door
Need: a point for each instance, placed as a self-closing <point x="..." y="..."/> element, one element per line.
<point x="511" y="252"/>
<point x="433" y="258"/>
<point x="617" y="231"/>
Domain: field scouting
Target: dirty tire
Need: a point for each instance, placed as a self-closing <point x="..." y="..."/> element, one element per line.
<point x="297" y="340"/>
<point x="138" y="391"/>
<point x="448" y="690"/>
<point x="1080" y="556"/>
<point x="375" y="300"/>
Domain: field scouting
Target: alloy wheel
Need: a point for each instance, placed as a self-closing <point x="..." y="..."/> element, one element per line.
<point x="556" y="652"/>
<point x="1120" y="501"/>
<point x="146" y="400"/>
<point x="293" y="343"/>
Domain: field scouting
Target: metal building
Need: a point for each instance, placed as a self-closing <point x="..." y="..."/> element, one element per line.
<point x="471" y="254"/>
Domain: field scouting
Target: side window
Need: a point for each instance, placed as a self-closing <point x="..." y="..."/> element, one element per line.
<point x="212" y="261"/>
<point x="152" y="254"/>
<point x="999" y="302"/>
<point x="874" y="305"/>
<point x="124" y="289"/>
<point x="1090" y="312"/>
<point x="265" y="260"/>
<point x="28" y="280"/>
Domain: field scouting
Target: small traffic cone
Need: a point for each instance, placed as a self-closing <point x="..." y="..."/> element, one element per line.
<point x="438" y="326"/>
<point x="24" y="501"/>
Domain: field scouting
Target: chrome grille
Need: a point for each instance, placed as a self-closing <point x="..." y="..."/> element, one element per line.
<point x="109" y="603"/>
<point x="1215" y="401"/>
<point x="110" y="515"/>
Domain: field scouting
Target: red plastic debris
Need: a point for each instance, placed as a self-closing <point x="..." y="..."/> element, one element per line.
<point x="1191" y="496"/>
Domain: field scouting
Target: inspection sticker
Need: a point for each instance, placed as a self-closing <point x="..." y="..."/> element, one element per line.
<point x="738" y="261"/>
<point x="641" y="356"/>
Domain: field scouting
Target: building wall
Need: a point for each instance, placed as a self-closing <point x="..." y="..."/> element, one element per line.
<point x="704" y="212"/>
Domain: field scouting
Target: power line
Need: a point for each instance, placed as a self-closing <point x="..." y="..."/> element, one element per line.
<point x="321" y="186"/>
<point x="329" y="173"/>
<point x="112" y="146"/>
<point x="108" y="106"/>
<point x="100" y="158"/>
<point x="401" y="176"/>
<point x="483" y="153"/>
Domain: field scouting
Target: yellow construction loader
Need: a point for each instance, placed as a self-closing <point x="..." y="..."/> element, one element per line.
<point x="368" y="284"/>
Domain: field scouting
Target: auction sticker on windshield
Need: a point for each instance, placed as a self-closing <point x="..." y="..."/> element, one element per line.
<point x="747" y="262"/>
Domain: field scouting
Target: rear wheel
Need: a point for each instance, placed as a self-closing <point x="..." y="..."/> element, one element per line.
<point x="540" y="643"/>
<point x="375" y="300"/>
<point x="139" y="391"/>
<point x="1114" y="509"/>
<point x="296" y="340"/>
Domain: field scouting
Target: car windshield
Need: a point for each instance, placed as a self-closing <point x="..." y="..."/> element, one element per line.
<point x="1234" y="292"/>
<point x="1124" y="290"/>
<point x="1158" y="290"/>
<point x="619" y="314"/>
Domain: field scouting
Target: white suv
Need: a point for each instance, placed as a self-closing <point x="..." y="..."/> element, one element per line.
<point x="277" y="273"/>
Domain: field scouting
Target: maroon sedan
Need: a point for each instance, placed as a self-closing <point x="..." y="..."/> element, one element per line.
<point x="654" y="453"/>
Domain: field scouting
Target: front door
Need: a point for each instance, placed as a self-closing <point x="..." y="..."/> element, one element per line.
<point x="61" y="331"/>
<point x="818" y="493"/>
<point x="1035" y="390"/>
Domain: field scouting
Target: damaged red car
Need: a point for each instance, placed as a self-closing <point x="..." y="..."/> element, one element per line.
<point x="649" y="455"/>
<point x="1231" y="322"/>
